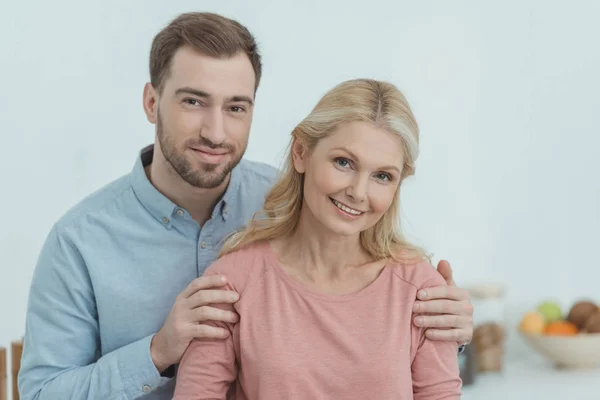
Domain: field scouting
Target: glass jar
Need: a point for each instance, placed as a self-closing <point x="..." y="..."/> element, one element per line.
<point x="489" y="327"/>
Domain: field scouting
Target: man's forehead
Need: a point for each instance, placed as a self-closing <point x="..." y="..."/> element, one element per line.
<point x="218" y="77"/>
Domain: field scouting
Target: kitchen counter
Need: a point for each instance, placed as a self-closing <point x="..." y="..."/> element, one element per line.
<point x="535" y="378"/>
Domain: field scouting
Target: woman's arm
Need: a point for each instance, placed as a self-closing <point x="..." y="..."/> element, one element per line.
<point x="435" y="371"/>
<point x="208" y="366"/>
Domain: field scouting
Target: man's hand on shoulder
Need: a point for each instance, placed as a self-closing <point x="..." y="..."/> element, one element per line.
<point x="446" y="310"/>
<point x="187" y="319"/>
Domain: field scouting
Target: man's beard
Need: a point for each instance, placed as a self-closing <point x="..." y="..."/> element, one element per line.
<point x="208" y="176"/>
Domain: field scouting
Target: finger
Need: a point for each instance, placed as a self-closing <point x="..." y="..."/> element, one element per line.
<point x="204" y="297"/>
<point x="445" y="270"/>
<point x="440" y="307"/>
<point x="443" y="321"/>
<point x="210" y="332"/>
<point x="208" y="313"/>
<point x="202" y="283"/>
<point x="447" y="335"/>
<point x="443" y="292"/>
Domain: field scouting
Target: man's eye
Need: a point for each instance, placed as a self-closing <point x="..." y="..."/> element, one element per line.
<point x="192" y="102"/>
<point x="237" y="109"/>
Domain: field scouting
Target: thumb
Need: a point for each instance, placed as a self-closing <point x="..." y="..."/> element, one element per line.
<point x="445" y="270"/>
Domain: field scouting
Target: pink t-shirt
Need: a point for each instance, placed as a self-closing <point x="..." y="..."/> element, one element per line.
<point x="294" y="343"/>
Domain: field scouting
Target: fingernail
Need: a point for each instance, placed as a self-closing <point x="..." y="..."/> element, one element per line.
<point x="422" y="294"/>
<point x="416" y="307"/>
<point x="419" y="321"/>
<point x="222" y="278"/>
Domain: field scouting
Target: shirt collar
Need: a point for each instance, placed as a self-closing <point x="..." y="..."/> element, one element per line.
<point x="163" y="209"/>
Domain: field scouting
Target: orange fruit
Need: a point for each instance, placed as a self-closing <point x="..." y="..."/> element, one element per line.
<point x="532" y="323"/>
<point x="561" y="328"/>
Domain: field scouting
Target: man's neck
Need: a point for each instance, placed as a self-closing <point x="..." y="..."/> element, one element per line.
<point x="197" y="201"/>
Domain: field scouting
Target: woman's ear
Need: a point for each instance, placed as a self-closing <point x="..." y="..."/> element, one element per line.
<point x="299" y="155"/>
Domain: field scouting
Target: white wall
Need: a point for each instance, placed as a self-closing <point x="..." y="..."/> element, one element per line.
<point x="506" y="94"/>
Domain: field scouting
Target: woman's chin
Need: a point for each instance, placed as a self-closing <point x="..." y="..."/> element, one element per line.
<point x="343" y="229"/>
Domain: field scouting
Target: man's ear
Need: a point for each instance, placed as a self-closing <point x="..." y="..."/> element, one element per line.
<point x="299" y="155"/>
<point x="150" y="103"/>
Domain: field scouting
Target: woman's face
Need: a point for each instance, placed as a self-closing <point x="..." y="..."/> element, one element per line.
<point x="351" y="176"/>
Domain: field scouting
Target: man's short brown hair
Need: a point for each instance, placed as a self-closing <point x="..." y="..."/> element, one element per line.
<point x="208" y="33"/>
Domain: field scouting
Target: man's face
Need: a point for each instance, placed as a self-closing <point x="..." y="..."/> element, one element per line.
<point x="204" y="114"/>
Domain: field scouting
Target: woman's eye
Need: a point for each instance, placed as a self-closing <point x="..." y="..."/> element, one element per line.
<point x="342" y="162"/>
<point x="384" y="177"/>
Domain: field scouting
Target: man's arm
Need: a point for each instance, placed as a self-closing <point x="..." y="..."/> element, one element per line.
<point x="62" y="344"/>
<point x="450" y="308"/>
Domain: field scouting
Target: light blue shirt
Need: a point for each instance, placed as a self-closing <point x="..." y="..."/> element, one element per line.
<point x="107" y="277"/>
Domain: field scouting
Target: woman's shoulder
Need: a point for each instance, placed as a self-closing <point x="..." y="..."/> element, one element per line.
<point x="242" y="266"/>
<point x="419" y="273"/>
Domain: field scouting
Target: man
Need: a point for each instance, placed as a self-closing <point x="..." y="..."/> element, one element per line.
<point x="111" y="308"/>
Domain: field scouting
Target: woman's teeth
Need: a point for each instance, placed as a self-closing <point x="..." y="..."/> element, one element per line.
<point x="346" y="208"/>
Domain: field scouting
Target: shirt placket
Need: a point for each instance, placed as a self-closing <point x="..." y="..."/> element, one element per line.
<point x="206" y="245"/>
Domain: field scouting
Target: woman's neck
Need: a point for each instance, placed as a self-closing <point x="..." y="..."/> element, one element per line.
<point x="319" y="253"/>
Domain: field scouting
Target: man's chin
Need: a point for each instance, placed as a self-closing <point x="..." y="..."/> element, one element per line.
<point x="206" y="175"/>
<point x="207" y="178"/>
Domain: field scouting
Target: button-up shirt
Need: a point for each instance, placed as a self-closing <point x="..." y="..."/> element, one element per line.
<point x="107" y="277"/>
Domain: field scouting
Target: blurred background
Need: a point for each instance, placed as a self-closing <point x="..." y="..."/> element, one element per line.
<point x="507" y="186"/>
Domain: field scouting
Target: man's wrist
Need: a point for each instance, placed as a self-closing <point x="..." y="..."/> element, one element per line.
<point x="155" y="353"/>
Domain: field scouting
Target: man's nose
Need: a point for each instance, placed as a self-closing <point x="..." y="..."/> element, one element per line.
<point x="213" y="128"/>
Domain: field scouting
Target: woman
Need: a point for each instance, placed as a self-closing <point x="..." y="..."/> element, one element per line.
<point x="326" y="279"/>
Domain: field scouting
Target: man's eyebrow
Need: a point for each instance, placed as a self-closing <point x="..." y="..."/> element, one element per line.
<point x="195" y="92"/>
<point x="244" y="99"/>
<point x="205" y="95"/>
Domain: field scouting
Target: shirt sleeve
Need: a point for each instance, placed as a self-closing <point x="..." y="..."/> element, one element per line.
<point x="61" y="347"/>
<point x="208" y="367"/>
<point x="435" y="370"/>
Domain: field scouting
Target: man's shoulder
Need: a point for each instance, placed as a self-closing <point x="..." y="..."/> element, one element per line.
<point x="96" y="202"/>
<point x="258" y="171"/>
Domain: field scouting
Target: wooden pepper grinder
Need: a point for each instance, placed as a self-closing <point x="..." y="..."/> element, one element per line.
<point x="16" y="352"/>
<point x="3" y="374"/>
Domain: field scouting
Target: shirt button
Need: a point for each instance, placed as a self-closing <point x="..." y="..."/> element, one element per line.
<point x="146" y="388"/>
<point x="166" y="220"/>
<point x="180" y="212"/>
<point x="203" y="245"/>
<point x="225" y="210"/>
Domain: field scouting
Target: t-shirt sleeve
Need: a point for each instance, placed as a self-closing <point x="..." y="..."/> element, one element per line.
<point x="435" y="370"/>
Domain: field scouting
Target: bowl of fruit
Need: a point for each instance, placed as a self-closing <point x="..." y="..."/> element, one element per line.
<point x="571" y="340"/>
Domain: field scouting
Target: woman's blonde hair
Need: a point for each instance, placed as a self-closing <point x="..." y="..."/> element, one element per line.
<point x="360" y="100"/>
